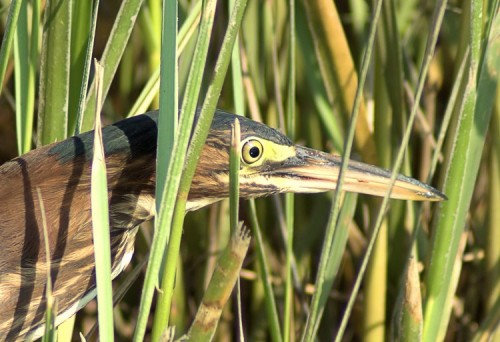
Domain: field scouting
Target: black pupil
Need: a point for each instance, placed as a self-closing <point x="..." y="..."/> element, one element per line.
<point x="254" y="152"/>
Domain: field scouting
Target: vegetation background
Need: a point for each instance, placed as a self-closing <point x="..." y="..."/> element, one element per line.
<point x="428" y="87"/>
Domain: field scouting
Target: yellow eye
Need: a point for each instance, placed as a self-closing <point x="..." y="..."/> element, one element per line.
<point x="252" y="151"/>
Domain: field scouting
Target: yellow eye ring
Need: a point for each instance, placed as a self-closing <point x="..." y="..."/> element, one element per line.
<point x="252" y="151"/>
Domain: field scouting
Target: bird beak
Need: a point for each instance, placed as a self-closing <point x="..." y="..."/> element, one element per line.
<point x="315" y="171"/>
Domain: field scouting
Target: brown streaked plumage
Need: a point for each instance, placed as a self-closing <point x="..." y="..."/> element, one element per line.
<point x="270" y="164"/>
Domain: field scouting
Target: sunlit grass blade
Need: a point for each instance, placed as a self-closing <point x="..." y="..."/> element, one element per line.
<point x="197" y="141"/>
<point x="239" y="104"/>
<point x="100" y="223"/>
<point x="168" y="125"/>
<point x="234" y="171"/>
<point x="234" y="162"/>
<point x="78" y="83"/>
<point x="168" y="203"/>
<point x="290" y="198"/>
<point x="236" y="73"/>
<point x="112" y="54"/>
<point x="318" y="301"/>
<point x="150" y="90"/>
<point x="168" y="120"/>
<point x="436" y="25"/>
<point x="462" y="171"/>
<point x="234" y="204"/>
<point x="26" y="60"/>
<point x="54" y="73"/>
<point x="84" y="80"/>
<point x="452" y="103"/>
<point x="82" y="37"/>
<point x="406" y="323"/>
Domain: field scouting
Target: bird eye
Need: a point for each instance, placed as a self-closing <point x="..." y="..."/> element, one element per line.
<point x="251" y="152"/>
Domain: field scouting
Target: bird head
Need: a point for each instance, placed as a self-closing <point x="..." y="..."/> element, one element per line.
<point x="271" y="163"/>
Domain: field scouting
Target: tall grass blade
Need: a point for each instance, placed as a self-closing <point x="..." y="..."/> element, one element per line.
<point x="112" y="54"/>
<point x="319" y="299"/>
<point x="82" y="35"/>
<point x="265" y="277"/>
<point x="462" y="171"/>
<point x="169" y="97"/>
<point x="166" y="212"/>
<point x="54" y="72"/>
<point x="85" y="72"/>
<point x="167" y="125"/>
<point x="26" y="60"/>
<point x="234" y="172"/>
<point x="290" y="198"/>
<point x="100" y="223"/>
<point x="152" y="86"/>
<point x="437" y="20"/>
<point x="234" y="201"/>
<point x="197" y="142"/>
<point x="407" y="322"/>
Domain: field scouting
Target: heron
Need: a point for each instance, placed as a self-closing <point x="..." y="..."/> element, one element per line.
<point x="61" y="172"/>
